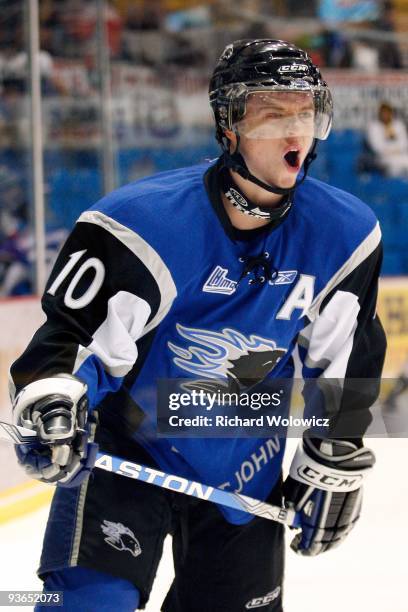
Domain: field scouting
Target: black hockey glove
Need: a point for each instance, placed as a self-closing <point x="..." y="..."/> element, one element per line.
<point x="56" y="409"/>
<point x="325" y="487"/>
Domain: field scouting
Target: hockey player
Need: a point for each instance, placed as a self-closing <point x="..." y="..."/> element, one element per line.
<point x="186" y="272"/>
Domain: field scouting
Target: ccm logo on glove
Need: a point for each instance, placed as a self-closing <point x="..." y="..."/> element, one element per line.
<point x="328" y="481"/>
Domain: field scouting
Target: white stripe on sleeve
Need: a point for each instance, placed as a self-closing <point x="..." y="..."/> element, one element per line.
<point x="114" y="342"/>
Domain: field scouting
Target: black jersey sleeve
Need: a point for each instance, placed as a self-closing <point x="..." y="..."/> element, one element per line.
<point x="344" y="348"/>
<point x="108" y="288"/>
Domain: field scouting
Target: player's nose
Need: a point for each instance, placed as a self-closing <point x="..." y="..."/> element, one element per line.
<point x="293" y="141"/>
<point x="293" y="126"/>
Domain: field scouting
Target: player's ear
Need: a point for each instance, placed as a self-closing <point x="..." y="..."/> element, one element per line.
<point x="232" y="139"/>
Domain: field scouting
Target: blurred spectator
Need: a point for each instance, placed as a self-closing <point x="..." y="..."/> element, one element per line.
<point x="144" y="17"/>
<point x="51" y="33"/>
<point x="17" y="258"/>
<point x="387" y="138"/>
<point x="14" y="69"/>
<point x="17" y="242"/>
<point x="13" y="218"/>
<point x="335" y="49"/>
<point x="13" y="115"/>
<point x="365" y="56"/>
<point x="13" y="202"/>
<point x="182" y="52"/>
<point x="80" y="22"/>
<point x="14" y="269"/>
<point x="142" y="42"/>
<point x="394" y="408"/>
<point x="400" y="385"/>
<point x="300" y="8"/>
<point x="389" y="51"/>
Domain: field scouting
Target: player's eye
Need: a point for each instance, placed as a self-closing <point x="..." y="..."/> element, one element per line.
<point x="306" y="115"/>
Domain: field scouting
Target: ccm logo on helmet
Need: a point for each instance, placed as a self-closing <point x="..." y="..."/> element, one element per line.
<point x="293" y="68"/>
<point x="312" y="476"/>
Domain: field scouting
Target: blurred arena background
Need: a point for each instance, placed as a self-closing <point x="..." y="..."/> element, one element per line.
<point x="97" y="93"/>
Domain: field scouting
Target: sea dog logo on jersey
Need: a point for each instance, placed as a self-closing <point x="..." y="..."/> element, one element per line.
<point x="243" y="360"/>
<point x="121" y="537"/>
<point x="259" y="602"/>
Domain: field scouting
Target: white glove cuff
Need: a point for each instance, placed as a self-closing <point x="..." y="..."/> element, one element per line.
<point x="68" y="386"/>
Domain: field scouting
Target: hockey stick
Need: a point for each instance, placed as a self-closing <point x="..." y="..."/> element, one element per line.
<point x="178" y="484"/>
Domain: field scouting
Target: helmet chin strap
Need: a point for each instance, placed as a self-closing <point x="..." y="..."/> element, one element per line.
<point x="235" y="161"/>
<point x="242" y="203"/>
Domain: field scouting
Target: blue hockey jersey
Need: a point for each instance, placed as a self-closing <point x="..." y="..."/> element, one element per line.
<point x="152" y="284"/>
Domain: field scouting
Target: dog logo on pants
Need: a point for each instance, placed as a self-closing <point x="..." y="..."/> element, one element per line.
<point x="121" y="537"/>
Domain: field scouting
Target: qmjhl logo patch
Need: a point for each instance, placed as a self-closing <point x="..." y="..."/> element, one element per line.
<point x="218" y="282"/>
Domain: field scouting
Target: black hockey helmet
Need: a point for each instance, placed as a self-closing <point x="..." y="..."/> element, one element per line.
<point x="256" y="67"/>
<point x="263" y="65"/>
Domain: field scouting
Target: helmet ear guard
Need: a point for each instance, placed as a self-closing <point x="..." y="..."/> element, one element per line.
<point x="230" y="106"/>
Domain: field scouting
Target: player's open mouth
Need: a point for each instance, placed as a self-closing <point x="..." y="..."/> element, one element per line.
<point x="292" y="159"/>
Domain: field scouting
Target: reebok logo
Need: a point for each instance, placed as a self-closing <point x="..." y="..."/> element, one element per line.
<point x="284" y="277"/>
<point x="218" y="282"/>
<point x="259" y="602"/>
